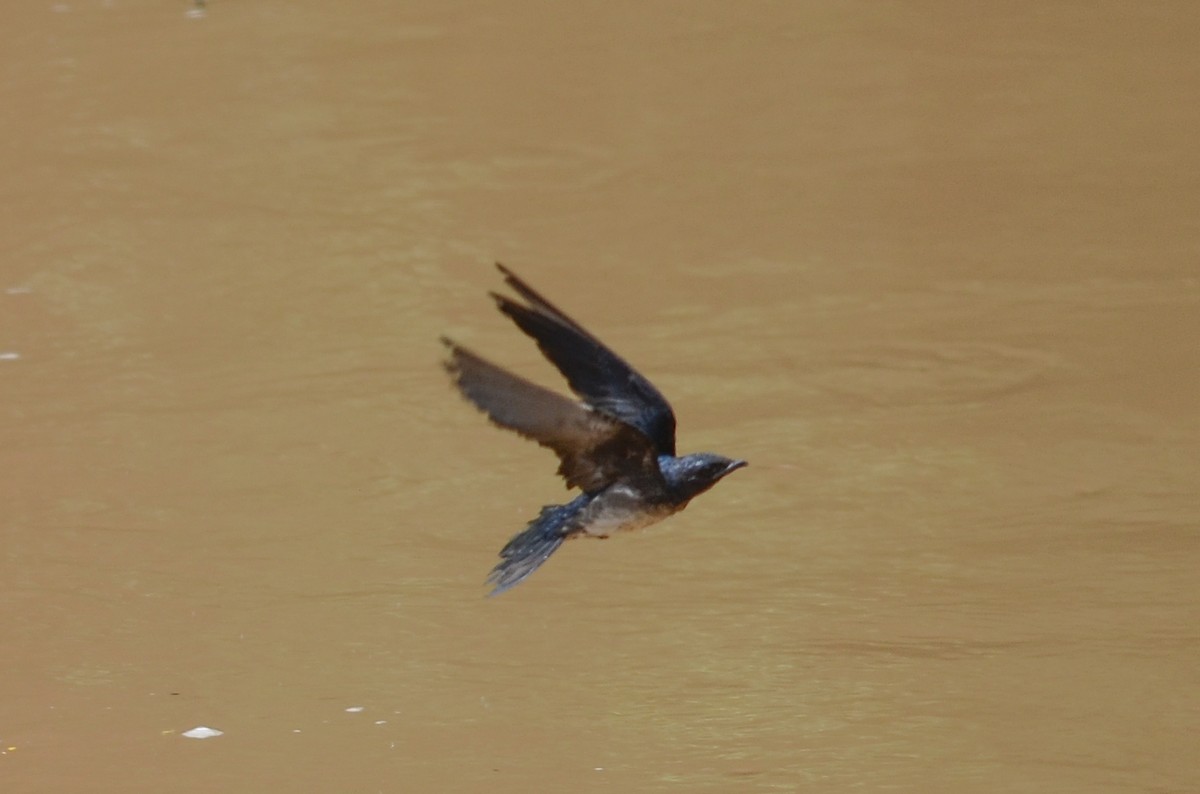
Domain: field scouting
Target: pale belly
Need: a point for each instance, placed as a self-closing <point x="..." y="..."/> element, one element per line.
<point x="620" y="509"/>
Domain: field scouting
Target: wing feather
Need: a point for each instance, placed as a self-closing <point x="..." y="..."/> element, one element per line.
<point x="603" y="379"/>
<point x="594" y="449"/>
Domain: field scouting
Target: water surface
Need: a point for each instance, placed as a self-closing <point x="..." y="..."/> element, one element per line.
<point x="933" y="272"/>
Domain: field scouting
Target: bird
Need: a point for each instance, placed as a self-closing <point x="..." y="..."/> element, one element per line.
<point x="616" y="444"/>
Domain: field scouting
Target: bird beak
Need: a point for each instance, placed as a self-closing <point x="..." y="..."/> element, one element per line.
<point x="734" y="465"/>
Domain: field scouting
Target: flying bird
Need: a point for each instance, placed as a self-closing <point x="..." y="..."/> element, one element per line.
<point x="616" y="445"/>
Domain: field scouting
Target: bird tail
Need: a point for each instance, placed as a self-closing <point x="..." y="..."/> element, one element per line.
<point x="531" y="547"/>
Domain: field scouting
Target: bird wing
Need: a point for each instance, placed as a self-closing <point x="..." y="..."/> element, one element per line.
<point x="594" y="449"/>
<point x="602" y="378"/>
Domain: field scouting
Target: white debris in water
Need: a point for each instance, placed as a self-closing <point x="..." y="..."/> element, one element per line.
<point x="9" y="356"/>
<point x="202" y="732"/>
<point x="355" y="709"/>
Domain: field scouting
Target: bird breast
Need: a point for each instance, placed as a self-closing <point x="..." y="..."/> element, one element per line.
<point x="621" y="508"/>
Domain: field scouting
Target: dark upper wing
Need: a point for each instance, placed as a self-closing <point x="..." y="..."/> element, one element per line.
<point x="595" y="450"/>
<point x="595" y="373"/>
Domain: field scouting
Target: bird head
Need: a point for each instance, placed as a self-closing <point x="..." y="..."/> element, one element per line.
<point x="692" y="475"/>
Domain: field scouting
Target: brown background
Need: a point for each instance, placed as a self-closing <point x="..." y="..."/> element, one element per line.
<point x="931" y="267"/>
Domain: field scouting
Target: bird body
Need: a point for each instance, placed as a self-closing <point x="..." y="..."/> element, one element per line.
<point x="617" y="445"/>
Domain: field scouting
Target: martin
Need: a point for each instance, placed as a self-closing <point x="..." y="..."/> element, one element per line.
<point x="617" y="446"/>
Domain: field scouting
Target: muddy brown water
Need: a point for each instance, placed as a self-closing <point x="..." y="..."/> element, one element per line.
<point x="933" y="270"/>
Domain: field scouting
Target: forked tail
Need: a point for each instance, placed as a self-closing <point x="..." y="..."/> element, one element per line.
<point x="532" y="546"/>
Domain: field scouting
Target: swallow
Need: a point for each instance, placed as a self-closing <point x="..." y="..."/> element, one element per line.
<point x="616" y="444"/>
